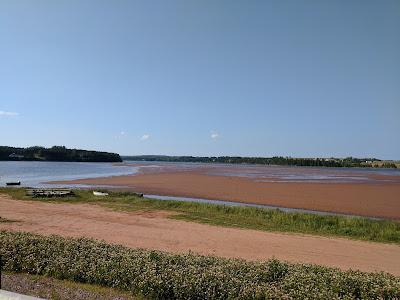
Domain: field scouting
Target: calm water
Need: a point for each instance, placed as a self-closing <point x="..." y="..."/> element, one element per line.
<point x="34" y="174"/>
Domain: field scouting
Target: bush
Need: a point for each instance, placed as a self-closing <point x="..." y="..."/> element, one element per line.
<point x="160" y="275"/>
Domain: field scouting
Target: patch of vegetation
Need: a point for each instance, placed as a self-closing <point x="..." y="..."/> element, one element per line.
<point x="56" y="153"/>
<point x="159" y="275"/>
<point x="51" y="288"/>
<point x="242" y="217"/>
<point x="348" y="162"/>
<point x="391" y="164"/>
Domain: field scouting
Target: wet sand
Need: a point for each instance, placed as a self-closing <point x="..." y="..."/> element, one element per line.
<point x="152" y="230"/>
<point x="377" y="199"/>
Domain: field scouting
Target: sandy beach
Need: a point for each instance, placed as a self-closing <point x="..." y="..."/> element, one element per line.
<point x="153" y="230"/>
<point x="378" y="197"/>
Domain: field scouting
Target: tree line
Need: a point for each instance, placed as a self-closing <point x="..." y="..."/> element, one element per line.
<point x="276" y="160"/>
<point x="56" y="153"/>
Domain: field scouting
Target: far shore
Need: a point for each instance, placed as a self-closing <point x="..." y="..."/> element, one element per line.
<point x="366" y="199"/>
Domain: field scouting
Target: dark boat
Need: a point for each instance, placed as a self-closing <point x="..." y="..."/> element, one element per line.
<point x="14" y="183"/>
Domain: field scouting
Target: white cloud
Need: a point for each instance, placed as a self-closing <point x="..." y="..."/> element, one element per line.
<point x="122" y="133"/>
<point x="8" y="114"/>
<point x="214" y="135"/>
<point x="145" y="137"/>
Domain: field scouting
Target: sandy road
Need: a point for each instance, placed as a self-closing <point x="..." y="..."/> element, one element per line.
<point x="154" y="231"/>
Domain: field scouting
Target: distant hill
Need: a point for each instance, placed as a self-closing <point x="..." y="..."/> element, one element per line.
<point x="56" y="153"/>
<point x="276" y="160"/>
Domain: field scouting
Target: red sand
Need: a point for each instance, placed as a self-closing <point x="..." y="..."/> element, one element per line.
<point x="153" y="230"/>
<point x="366" y="199"/>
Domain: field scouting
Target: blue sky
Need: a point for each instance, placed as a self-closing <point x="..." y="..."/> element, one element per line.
<point x="258" y="78"/>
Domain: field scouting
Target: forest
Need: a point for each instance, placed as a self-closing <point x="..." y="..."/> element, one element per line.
<point x="56" y="153"/>
<point x="348" y="162"/>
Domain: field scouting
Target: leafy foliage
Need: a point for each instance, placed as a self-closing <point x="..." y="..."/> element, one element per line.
<point x="56" y="153"/>
<point x="159" y="275"/>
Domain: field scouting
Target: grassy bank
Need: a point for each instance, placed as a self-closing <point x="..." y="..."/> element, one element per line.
<point x="159" y="275"/>
<point x="242" y="217"/>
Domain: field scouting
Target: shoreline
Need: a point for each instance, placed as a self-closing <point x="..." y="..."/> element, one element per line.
<point x="377" y="200"/>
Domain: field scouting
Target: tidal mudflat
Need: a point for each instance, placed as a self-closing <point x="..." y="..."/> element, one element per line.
<point x="364" y="192"/>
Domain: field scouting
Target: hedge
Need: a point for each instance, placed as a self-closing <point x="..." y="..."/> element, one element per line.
<point x="160" y="275"/>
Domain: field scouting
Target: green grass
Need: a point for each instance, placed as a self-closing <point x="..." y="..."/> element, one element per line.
<point x="242" y="217"/>
<point x="160" y="275"/>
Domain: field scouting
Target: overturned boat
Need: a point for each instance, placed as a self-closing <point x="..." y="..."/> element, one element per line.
<point x="99" y="193"/>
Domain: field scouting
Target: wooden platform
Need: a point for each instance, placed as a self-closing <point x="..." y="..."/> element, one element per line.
<point x="49" y="192"/>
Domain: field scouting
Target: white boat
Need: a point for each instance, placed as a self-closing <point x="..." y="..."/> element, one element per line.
<point x="13" y="183"/>
<point x="99" y="193"/>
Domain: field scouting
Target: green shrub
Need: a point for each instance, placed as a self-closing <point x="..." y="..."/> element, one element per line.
<point x="160" y="275"/>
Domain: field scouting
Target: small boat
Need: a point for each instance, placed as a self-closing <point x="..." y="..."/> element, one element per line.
<point x="99" y="193"/>
<point x="13" y="183"/>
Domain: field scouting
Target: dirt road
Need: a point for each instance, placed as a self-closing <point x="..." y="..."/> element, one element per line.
<point x="154" y="231"/>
